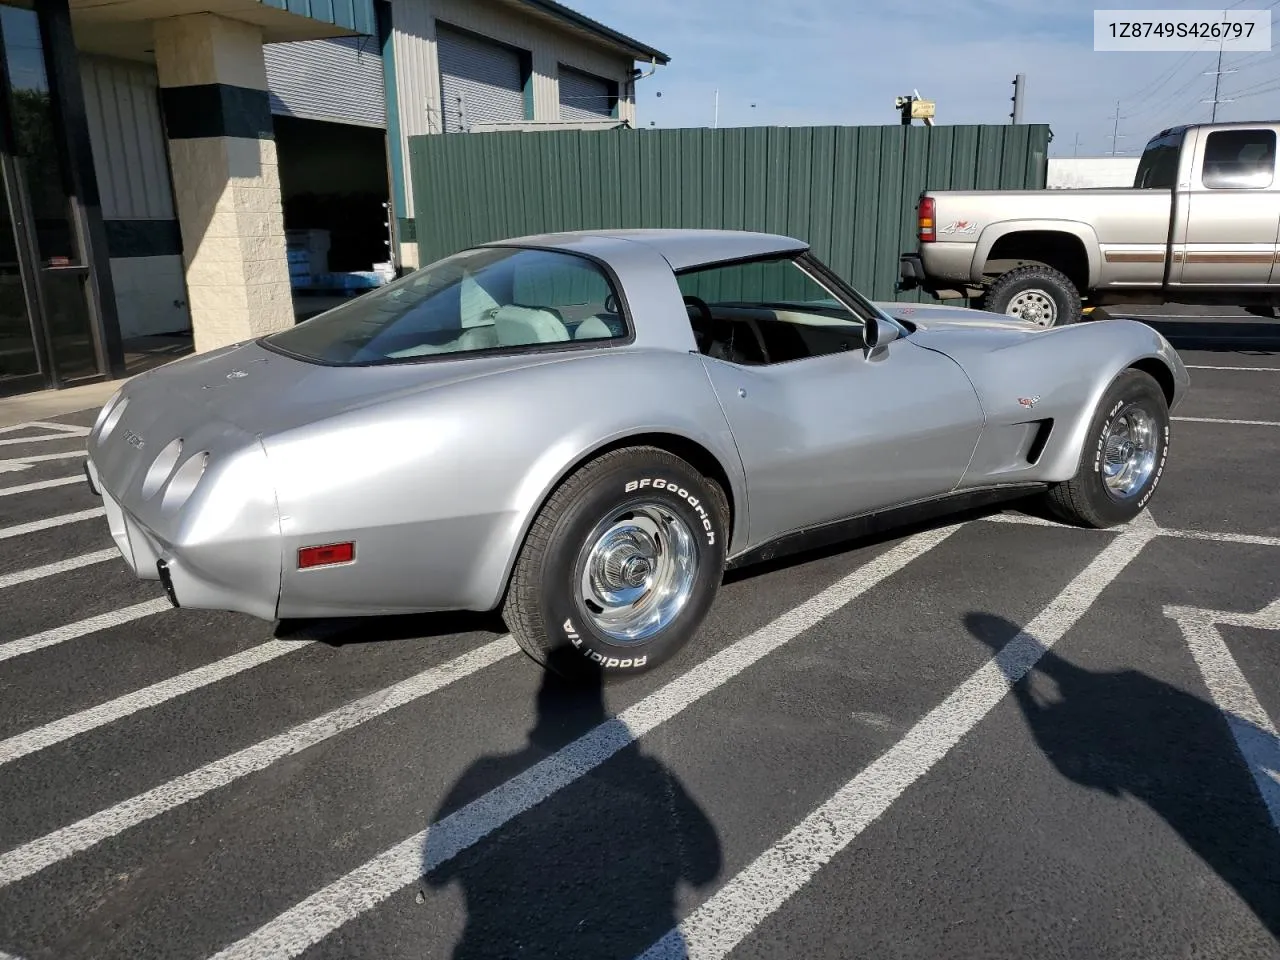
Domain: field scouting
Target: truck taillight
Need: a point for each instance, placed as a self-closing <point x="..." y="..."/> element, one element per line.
<point x="926" y="233"/>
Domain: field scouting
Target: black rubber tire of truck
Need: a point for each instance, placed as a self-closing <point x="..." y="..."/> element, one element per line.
<point x="1052" y="284"/>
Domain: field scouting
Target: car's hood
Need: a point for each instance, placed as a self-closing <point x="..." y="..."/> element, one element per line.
<point x="943" y="327"/>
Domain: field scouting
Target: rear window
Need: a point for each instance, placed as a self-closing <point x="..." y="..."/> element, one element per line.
<point x="482" y="301"/>
<point x="1158" y="168"/>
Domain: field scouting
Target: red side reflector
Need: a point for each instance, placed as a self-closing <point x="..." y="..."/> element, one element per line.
<point x="328" y="554"/>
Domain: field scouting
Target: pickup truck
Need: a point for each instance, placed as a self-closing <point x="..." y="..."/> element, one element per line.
<point x="1201" y="224"/>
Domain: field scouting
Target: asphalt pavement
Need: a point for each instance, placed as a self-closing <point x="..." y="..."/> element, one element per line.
<point x="991" y="736"/>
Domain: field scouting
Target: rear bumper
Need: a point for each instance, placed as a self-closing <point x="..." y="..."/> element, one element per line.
<point x="910" y="271"/>
<point x="151" y="557"/>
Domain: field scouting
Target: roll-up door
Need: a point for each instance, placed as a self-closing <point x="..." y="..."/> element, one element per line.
<point x="338" y="80"/>
<point x="480" y="82"/>
<point x="584" y="97"/>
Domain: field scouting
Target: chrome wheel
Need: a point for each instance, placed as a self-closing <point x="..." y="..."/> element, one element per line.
<point x="1035" y="306"/>
<point x="637" y="571"/>
<point x="1129" y="453"/>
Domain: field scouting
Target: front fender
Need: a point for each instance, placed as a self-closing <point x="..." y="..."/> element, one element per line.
<point x="1078" y="229"/>
<point x="1058" y="374"/>
<point x="1137" y="346"/>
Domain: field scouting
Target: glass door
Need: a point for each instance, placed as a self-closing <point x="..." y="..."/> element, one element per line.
<point x="48" y="259"/>
<point x="21" y="363"/>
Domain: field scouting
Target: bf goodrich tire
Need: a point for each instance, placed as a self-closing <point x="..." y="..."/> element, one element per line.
<point x="1123" y="457"/>
<point x="620" y="566"/>
<point x="1035" y="292"/>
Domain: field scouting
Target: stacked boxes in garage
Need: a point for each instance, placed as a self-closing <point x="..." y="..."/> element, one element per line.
<point x="308" y="254"/>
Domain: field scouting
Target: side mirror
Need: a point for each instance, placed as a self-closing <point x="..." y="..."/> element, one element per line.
<point x="878" y="333"/>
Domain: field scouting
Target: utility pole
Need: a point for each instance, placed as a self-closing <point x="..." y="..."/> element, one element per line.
<point x="1019" y="91"/>
<point x="716" y="122"/>
<point x="1116" y="135"/>
<point x="1075" y="151"/>
<point x="1217" y="85"/>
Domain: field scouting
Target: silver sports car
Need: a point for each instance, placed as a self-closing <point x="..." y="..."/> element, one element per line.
<point x="585" y="429"/>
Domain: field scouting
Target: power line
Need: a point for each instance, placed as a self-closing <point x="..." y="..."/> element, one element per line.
<point x="1164" y="77"/>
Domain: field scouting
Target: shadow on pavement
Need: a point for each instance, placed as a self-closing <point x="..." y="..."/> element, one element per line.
<point x="346" y="631"/>
<point x="1257" y="338"/>
<point x="1130" y="735"/>
<point x="594" y="870"/>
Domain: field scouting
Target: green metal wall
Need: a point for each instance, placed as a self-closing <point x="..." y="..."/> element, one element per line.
<point x="850" y="191"/>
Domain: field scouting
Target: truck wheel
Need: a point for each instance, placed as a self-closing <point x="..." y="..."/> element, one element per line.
<point x="1123" y="458"/>
<point x="620" y="566"/>
<point x="1035" y="292"/>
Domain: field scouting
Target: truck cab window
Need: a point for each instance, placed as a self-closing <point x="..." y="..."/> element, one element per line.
<point x="1158" y="168"/>
<point x="1239" y="160"/>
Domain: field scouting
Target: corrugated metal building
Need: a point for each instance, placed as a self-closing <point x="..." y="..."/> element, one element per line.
<point x="481" y="65"/>
<point x="288" y="116"/>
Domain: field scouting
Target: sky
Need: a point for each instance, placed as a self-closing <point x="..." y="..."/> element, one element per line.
<point x="816" y="62"/>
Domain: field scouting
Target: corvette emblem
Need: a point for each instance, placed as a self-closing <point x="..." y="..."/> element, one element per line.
<point x="235" y="374"/>
<point x="1028" y="401"/>
<point x="134" y="439"/>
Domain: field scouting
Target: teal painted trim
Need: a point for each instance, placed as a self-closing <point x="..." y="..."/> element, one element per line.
<point x="354" y="15"/>
<point x="526" y="67"/>
<point x="394" y="151"/>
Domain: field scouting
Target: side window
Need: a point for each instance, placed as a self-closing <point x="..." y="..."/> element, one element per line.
<point x="574" y="288"/>
<point x="1239" y="160"/>
<point x="766" y="313"/>
<point x="1158" y="168"/>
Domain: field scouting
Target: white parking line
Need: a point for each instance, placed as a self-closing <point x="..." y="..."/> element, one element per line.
<point x="12" y="441"/>
<point x="41" y="485"/>
<point x="346" y="898"/>
<point x="62" y="566"/>
<point x="737" y="908"/>
<point x="1249" y="317"/>
<point x="1033" y="521"/>
<point x="1249" y="538"/>
<point x="68" y="428"/>
<point x="1252" y="728"/>
<point x="82" y="628"/>
<point x="23" y="861"/>
<point x="1197" y="366"/>
<point x="40" y="738"/>
<point x="1243" y="423"/>
<point x="23" y="463"/>
<point x="37" y="525"/>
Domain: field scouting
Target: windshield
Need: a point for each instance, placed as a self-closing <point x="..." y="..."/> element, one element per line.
<point x="478" y="301"/>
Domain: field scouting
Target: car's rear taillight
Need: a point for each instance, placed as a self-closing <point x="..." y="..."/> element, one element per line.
<point x="926" y="231"/>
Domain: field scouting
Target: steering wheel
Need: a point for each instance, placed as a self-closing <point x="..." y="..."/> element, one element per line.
<point x="703" y="326"/>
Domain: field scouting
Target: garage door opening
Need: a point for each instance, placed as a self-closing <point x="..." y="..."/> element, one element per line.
<point x="334" y="190"/>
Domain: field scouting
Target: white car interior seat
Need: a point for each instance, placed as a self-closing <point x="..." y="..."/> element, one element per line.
<point x="592" y="328"/>
<point x="520" y="325"/>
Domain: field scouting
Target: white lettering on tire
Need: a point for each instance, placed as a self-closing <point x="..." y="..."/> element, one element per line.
<point x="683" y="494"/>
<point x="1155" y="479"/>
<point x="1159" y="471"/>
<point x="607" y="662"/>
